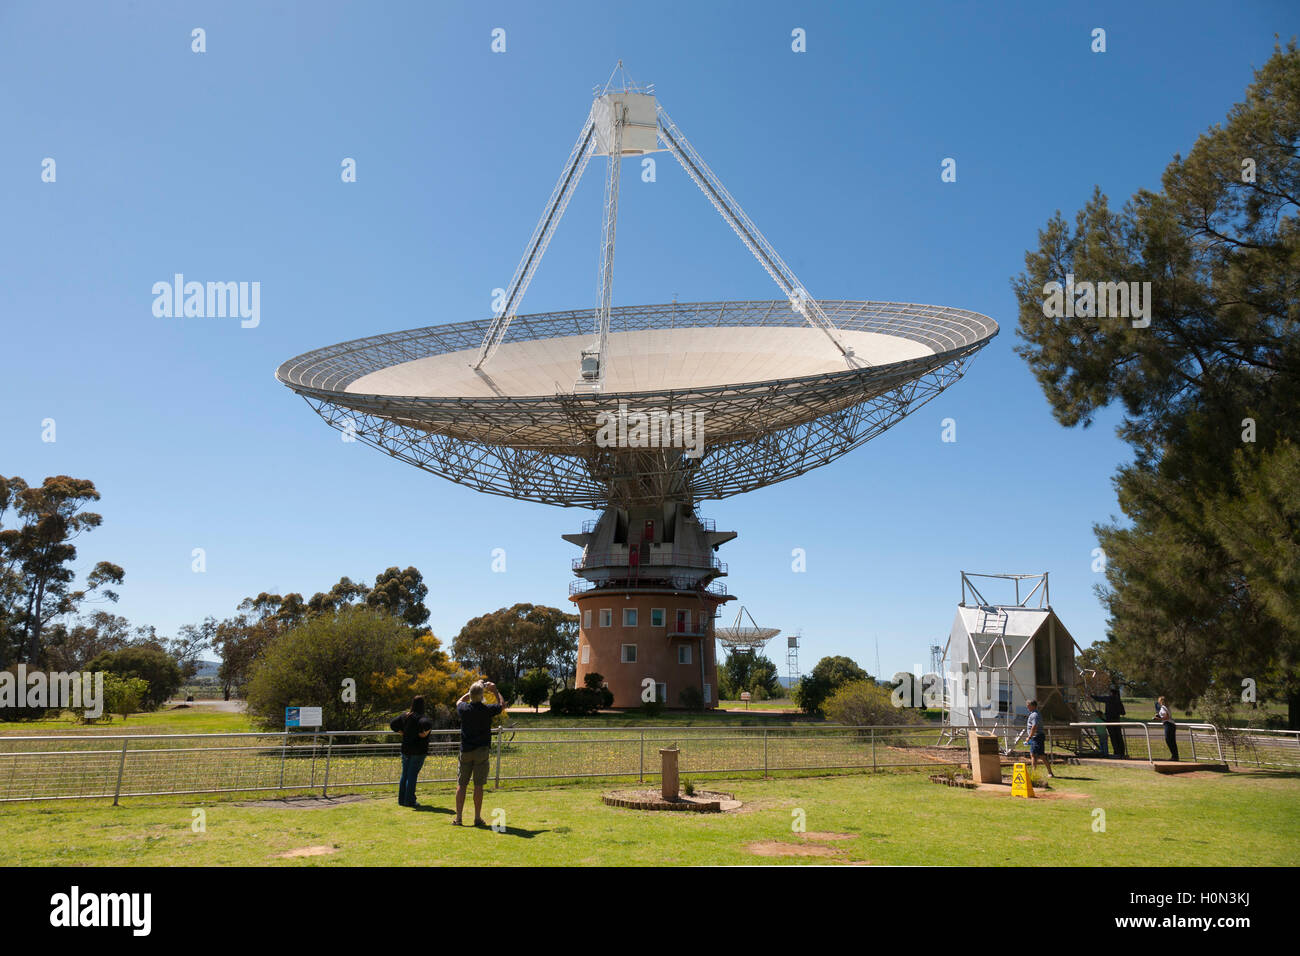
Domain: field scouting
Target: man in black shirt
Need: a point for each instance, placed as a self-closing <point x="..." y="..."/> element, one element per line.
<point x="1113" y="710"/>
<point x="475" y="744"/>
<point x="414" y="728"/>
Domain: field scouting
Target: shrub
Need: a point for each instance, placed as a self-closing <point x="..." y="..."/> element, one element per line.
<point x="10" y="713"/>
<point x="652" y="708"/>
<point x="380" y="654"/>
<point x="575" y="702"/>
<point x="811" y="693"/>
<point x="865" y="703"/>
<point x="122" y="696"/>
<point x="691" y="698"/>
<point x="534" y="687"/>
<point x="149" y="663"/>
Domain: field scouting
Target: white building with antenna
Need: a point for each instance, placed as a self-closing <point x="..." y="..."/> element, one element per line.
<point x="999" y="655"/>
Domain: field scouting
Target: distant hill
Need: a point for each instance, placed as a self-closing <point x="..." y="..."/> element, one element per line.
<point x="208" y="668"/>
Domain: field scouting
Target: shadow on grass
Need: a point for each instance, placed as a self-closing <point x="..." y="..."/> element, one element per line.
<point x="1264" y="773"/>
<point x="517" y="831"/>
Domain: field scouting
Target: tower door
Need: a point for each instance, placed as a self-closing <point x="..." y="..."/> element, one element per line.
<point x="683" y="622"/>
<point x="648" y="533"/>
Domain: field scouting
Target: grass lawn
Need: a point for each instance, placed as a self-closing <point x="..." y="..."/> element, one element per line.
<point x="195" y="719"/>
<point x="1200" y="819"/>
<point x="782" y="704"/>
<point x="524" y="717"/>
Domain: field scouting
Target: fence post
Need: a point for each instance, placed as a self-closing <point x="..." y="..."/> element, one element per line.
<point x="1191" y="736"/>
<point x="764" y="751"/>
<point x="121" y="767"/>
<point x="283" y="744"/>
<point x="329" y="750"/>
<point x="873" y="750"/>
<point x="640" y="772"/>
<point x="314" y="738"/>
<point x="497" y="784"/>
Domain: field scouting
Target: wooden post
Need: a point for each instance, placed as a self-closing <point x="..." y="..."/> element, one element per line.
<point x="669" y="787"/>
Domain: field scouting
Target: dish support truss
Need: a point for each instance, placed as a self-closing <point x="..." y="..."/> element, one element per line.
<point x="605" y="124"/>
<point x="543" y="448"/>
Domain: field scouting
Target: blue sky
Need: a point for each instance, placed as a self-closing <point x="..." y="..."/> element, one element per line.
<point x="225" y="166"/>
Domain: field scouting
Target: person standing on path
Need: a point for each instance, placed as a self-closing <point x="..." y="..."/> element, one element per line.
<point x="1112" y="712"/>
<point x="1171" y="729"/>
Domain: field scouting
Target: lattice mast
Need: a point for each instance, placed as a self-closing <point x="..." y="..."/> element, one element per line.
<point x="625" y="119"/>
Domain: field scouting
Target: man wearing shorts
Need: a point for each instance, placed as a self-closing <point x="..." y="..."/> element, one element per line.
<point x="475" y="745"/>
<point x="1037" y="737"/>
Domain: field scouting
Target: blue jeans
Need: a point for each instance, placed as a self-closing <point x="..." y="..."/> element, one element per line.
<point x="411" y="764"/>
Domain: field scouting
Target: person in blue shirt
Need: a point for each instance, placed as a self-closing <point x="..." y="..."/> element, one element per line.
<point x="1037" y="738"/>
<point x="475" y="744"/>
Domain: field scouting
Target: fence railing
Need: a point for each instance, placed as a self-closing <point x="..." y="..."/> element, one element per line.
<point x="66" y="767"/>
<point x="1238" y="746"/>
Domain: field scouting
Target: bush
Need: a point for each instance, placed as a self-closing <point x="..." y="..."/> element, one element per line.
<point x="358" y="648"/>
<point x="691" y="698"/>
<point x="828" y="676"/>
<point x="811" y="693"/>
<point x="865" y="703"/>
<point x="534" y="687"/>
<point x="651" y="708"/>
<point x="11" y="713"/>
<point x="149" y="663"/>
<point x="575" y="702"/>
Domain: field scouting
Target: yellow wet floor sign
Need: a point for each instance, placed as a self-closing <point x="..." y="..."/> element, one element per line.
<point x="1021" y="785"/>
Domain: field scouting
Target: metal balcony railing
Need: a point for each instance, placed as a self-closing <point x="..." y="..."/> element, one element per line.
<point x="581" y="585"/>
<point x="653" y="559"/>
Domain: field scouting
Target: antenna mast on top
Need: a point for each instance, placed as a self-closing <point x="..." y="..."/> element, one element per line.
<point x="626" y="120"/>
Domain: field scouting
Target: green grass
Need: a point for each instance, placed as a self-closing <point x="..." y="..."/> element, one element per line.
<point x="195" y="719"/>
<point x="1144" y="708"/>
<point x="668" y="718"/>
<point x="1204" y="819"/>
<point x="781" y="704"/>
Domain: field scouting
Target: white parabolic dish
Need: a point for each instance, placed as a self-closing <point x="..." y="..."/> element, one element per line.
<point x="776" y="397"/>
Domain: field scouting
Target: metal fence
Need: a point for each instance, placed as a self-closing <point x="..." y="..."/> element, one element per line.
<point x="1205" y="743"/>
<point x="65" y="767"/>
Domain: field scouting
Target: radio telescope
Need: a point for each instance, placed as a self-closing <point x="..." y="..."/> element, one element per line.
<point x="641" y="411"/>
<point x="745" y="640"/>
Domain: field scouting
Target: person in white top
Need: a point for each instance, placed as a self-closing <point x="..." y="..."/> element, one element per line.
<point x="1171" y="729"/>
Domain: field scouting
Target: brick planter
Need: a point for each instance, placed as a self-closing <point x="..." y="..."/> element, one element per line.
<point x="704" y="801"/>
